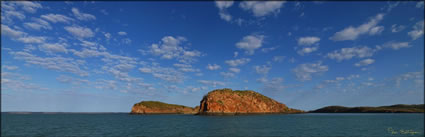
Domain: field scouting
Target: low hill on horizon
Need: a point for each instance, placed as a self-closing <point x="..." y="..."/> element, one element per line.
<point x="398" y="108"/>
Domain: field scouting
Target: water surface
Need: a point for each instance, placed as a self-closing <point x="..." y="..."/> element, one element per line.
<point x="313" y="124"/>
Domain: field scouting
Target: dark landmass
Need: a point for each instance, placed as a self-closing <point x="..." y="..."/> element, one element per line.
<point x="25" y="112"/>
<point x="399" y="108"/>
<point x="219" y="102"/>
<point x="156" y="107"/>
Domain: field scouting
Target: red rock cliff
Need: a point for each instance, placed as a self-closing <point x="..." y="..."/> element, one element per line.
<point x="226" y="101"/>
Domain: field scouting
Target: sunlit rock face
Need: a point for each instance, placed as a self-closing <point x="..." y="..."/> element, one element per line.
<point x="227" y="101"/>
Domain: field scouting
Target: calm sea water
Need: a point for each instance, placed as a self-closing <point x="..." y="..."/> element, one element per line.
<point x="190" y="125"/>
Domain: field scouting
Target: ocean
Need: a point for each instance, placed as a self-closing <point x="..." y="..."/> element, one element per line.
<point x="311" y="124"/>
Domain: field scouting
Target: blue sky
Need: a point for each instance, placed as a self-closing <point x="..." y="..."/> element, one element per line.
<point x="106" y="56"/>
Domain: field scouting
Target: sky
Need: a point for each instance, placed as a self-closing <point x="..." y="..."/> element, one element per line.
<point x="106" y="56"/>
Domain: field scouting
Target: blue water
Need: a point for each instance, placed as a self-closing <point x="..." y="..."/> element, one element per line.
<point x="191" y="125"/>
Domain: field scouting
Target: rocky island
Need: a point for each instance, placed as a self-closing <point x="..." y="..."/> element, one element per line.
<point x="219" y="102"/>
<point x="236" y="102"/>
<point x="156" y="107"/>
<point x="229" y="102"/>
<point x="400" y="108"/>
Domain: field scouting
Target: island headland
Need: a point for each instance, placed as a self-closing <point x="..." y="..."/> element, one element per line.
<point x="219" y="102"/>
<point x="156" y="107"/>
<point x="399" y="108"/>
<point x="241" y="102"/>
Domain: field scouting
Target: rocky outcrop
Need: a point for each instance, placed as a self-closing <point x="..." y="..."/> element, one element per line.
<point x="156" y="107"/>
<point x="400" y="108"/>
<point x="229" y="102"/>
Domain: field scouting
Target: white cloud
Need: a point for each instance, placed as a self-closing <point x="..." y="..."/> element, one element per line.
<point x="53" y="48"/>
<point x="212" y="83"/>
<point x="84" y="53"/>
<point x="225" y="16"/>
<point x="305" y="72"/>
<point x="120" y="72"/>
<point x="396" y="45"/>
<point x="397" y="28"/>
<point x="307" y="41"/>
<point x="5" y="30"/>
<point x="80" y="32"/>
<point x="10" y="67"/>
<point x="352" y="33"/>
<point x="235" y="70"/>
<point x="353" y="76"/>
<point x="164" y="73"/>
<point x="124" y="66"/>
<point x="364" y="62"/>
<point x="227" y="74"/>
<point x="126" y="41"/>
<point x="186" y="68"/>
<point x="250" y="43"/>
<point x="237" y="62"/>
<point x="38" y="24"/>
<point x="262" y="69"/>
<point x="104" y="12"/>
<point x="339" y="78"/>
<point x="107" y="35"/>
<point x="307" y="50"/>
<point x="171" y="48"/>
<point x="18" y="82"/>
<point x="272" y="85"/>
<point x="53" y="63"/>
<point x="7" y="6"/>
<point x="265" y="50"/>
<point x="32" y="39"/>
<point x="57" y="18"/>
<point x="122" y="33"/>
<point x="414" y="77"/>
<point x="420" y="4"/>
<point x="222" y="6"/>
<point x="376" y="30"/>
<point x="72" y="80"/>
<point x="8" y="14"/>
<point x="336" y="82"/>
<point x="88" y="43"/>
<point x="29" y="48"/>
<point x="348" y="53"/>
<point x="191" y="89"/>
<point x="106" y="84"/>
<point x="418" y="30"/>
<point x="82" y="16"/>
<point x="20" y="36"/>
<point x="278" y="58"/>
<point x="262" y="8"/>
<point x="29" y="6"/>
<point x="235" y="54"/>
<point x="145" y="70"/>
<point x="213" y="67"/>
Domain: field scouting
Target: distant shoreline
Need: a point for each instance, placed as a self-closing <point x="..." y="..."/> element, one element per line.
<point x="398" y="108"/>
<point x="249" y="114"/>
<point x="26" y="112"/>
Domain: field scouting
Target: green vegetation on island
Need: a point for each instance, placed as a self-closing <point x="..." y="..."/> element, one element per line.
<point x="160" y="105"/>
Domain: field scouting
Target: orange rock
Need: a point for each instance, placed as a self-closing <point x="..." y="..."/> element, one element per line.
<point x="226" y="101"/>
